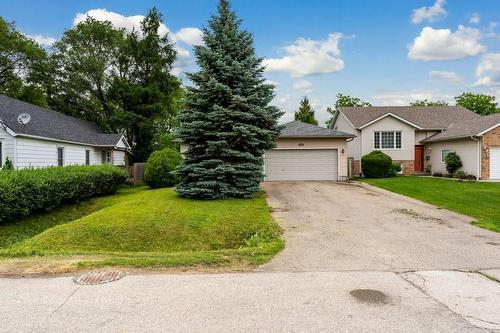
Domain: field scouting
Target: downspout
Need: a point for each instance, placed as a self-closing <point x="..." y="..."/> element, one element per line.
<point x="478" y="156"/>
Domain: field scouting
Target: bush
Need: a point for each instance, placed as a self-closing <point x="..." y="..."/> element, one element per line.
<point x="8" y="166"/>
<point x="26" y="191"/>
<point x="158" y="170"/>
<point x="437" y="174"/>
<point x="395" y="169"/>
<point x="459" y="174"/>
<point x="376" y="165"/>
<point x="453" y="162"/>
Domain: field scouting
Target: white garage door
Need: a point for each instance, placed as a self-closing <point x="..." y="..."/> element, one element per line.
<point x="495" y="163"/>
<point x="301" y="164"/>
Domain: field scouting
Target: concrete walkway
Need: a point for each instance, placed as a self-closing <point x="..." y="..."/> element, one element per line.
<point x="357" y="259"/>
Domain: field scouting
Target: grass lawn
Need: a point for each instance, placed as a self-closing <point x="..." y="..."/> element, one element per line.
<point x="480" y="200"/>
<point x="145" y="228"/>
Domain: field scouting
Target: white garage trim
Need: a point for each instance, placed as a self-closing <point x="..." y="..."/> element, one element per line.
<point x="494" y="162"/>
<point x="300" y="164"/>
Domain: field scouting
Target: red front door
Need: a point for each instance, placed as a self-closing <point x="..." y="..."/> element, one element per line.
<point x="418" y="165"/>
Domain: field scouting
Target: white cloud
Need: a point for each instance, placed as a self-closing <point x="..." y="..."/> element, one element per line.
<point x="443" y="44"/>
<point x="446" y="76"/>
<point x="271" y="82"/>
<point x="431" y="14"/>
<point x="396" y="98"/>
<point x="307" y="57"/>
<point x="191" y="36"/>
<point x="303" y="86"/>
<point x="43" y="40"/>
<point x="187" y="35"/>
<point x="488" y="70"/>
<point x="475" y="18"/>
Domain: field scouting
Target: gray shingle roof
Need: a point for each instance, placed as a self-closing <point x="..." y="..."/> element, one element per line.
<point x="467" y="128"/>
<point x="425" y="117"/>
<point x="53" y="125"/>
<point x="298" y="129"/>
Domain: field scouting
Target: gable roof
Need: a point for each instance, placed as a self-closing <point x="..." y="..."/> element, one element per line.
<point x="422" y="117"/>
<point x="298" y="129"/>
<point x="53" y="125"/>
<point x="467" y="128"/>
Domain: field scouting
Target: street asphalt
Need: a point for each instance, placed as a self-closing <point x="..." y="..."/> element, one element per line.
<point x="357" y="259"/>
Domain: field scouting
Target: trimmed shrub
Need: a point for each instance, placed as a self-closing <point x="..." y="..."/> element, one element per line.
<point x="395" y="169"/>
<point x="453" y="162"/>
<point x="26" y="191"/>
<point x="159" y="167"/>
<point x="376" y="165"/>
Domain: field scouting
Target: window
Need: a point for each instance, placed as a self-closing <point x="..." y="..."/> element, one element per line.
<point x="87" y="157"/>
<point x="444" y="152"/>
<point x="60" y="156"/>
<point x="1" y="155"/>
<point x="106" y="156"/>
<point x="387" y="140"/>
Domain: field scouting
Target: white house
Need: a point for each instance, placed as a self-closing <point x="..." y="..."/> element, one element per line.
<point x="419" y="137"/>
<point x="31" y="136"/>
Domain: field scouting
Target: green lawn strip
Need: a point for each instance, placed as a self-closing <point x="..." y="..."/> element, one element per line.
<point x="157" y="228"/>
<point x="480" y="200"/>
<point x="22" y="229"/>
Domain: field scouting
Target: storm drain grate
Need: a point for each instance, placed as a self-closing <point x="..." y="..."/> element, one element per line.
<point x="98" y="277"/>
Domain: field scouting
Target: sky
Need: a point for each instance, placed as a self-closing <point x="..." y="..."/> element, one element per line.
<point x="387" y="52"/>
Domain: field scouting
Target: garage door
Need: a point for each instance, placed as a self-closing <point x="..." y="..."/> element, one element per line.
<point x="297" y="164"/>
<point x="495" y="163"/>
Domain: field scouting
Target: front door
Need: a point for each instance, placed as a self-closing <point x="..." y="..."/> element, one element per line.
<point x="418" y="165"/>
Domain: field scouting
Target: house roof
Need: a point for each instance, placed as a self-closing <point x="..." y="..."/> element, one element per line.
<point x="422" y="117"/>
<point x="467" y="128"/>
<point x="53" y="125"/>
<point x="298" y="129"/>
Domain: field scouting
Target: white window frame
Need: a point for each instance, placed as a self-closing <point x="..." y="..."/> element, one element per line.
<point x="63" y="155"/>
<point x="108" y="157"/>
<point x="380" y="139"/>
<point x="449" y="151"/>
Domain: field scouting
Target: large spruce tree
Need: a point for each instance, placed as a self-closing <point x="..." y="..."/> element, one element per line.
<point x="305" y="113"/>
<point x="227" y="122"/>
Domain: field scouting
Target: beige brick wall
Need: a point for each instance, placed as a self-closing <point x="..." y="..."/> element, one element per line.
<point x="490" y="139"/>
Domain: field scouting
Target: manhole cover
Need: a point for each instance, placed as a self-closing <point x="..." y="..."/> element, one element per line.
<point x="370" y="296"/>
<point x="98" y="277"/>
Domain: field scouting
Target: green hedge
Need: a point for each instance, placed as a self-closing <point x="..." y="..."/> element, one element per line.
<point x="25" y="191"/>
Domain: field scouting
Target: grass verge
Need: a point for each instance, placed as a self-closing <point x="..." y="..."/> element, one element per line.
<point x="480" y="200"/>
<point x="144" y="228"/>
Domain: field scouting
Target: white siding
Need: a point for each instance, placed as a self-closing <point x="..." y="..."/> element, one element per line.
<point x="8" y="145"/>
<point x="421" y="135"/>
<point x="354" y="145"/>
<point x="118" y="157"/>
<point x="407" y="151"/>
<point x="467" y="149"/>
<point x="43" y="153"/>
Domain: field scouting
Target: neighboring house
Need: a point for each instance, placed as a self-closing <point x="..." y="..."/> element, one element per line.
<point x="31" y="136"/>
<point x="476" y="141"/>
<point x="411" y="136"/>
<point x="308" y="152"/>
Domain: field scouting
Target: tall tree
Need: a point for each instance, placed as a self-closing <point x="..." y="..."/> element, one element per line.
<point x="84" y="63"/>
<point x="344" y="100"/>
<point x="305" y="113"/>
<point x="227" y="122"/>
<point x="22" y="61"/>
<point x="425" y="102"/>
<point x="478" y="103"/>
<point x="144" y="89"/>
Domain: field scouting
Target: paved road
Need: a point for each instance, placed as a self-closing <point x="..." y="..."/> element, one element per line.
<point x="356" y="260"/>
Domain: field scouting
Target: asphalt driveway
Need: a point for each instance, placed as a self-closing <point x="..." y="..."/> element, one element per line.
<point x="337" y="226"/>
